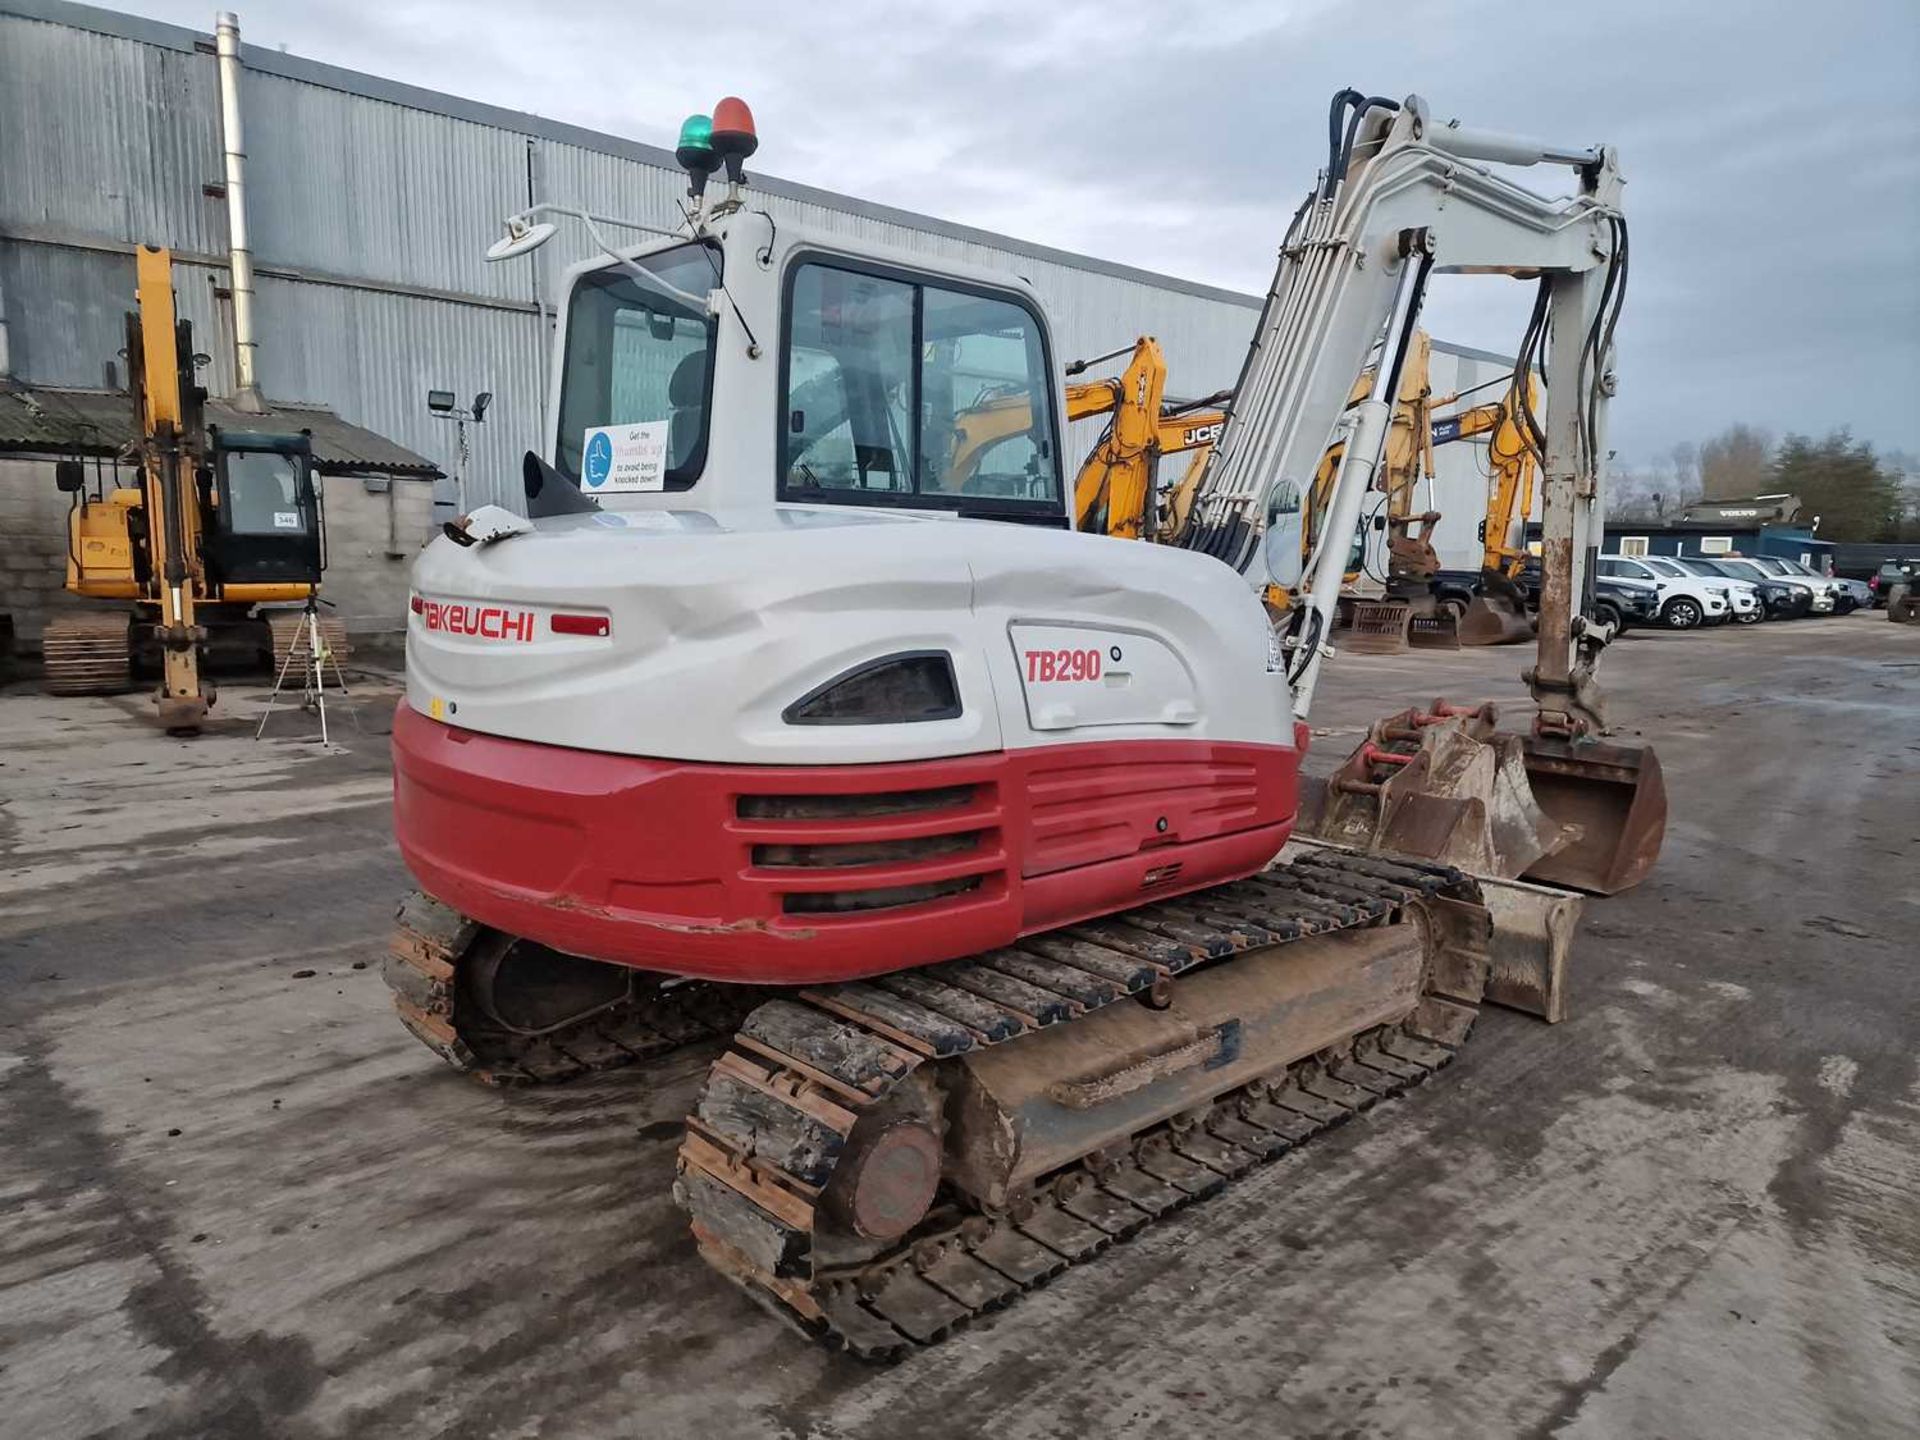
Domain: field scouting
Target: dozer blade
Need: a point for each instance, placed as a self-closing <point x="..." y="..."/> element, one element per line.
<point x="1612" y="798"/>
<point x="1533" y="929"/>
<point x="1489" y="620"/>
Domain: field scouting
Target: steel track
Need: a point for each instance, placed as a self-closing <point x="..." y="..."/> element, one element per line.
<point x="781" y="1103"/>
<point x="423" y="971"/>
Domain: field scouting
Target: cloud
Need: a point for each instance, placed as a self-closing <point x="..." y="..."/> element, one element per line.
<point x="1772" y="149"/>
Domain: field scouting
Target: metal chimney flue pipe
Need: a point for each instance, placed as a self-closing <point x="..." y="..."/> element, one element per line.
<point x="239" y="251"/>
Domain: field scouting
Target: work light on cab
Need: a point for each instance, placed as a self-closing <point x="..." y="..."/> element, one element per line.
<point x="733" y="137"/>
<point x="694" y="150"/>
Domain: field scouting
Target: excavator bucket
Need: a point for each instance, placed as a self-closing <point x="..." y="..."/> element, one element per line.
<point x="1494" y="620"/>
<point x="1444" y="784"/>
<point x="1611" y="799"/>
<point x="1374" y="627"/>
<point x="1441" y="785"/>
<point x="1438" y="629"/>
<point x="1532" y="938"/>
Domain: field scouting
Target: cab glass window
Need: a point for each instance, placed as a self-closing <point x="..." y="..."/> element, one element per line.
<point x="984" y="399"/>
<point x="850" y="381"/>
<point x="261" y="493"/>
<point x="899" y="391"/>
<point x="640" y="352"/>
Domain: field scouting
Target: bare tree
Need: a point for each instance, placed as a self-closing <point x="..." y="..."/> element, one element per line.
<point x="1636" y="492"/>
<point x="1905" y="466"/>
<point x="1736" y="463"/>
<point x="1684" y="486"/>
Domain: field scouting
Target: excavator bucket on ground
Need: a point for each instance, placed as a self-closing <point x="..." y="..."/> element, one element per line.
<point x="1494" y="620"/>
<point x="1373" y="627"/>
<point x="1444" y="784"/>
<point x="1437" y="629"/>
<point x="1391" y="627"/>
<point x="1611" y="798"/>
<point x="1440" y="784"/>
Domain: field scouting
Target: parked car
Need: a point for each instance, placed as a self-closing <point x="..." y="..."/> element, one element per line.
<point x="1817" y="599"/>
<point x="1858" y="593"/>
<point x="1774" y="599"/>
<point x="1823" y="584"/>
<point x="1743" y="597"/>
<point x="1624" y="604"/>
<point x="1845" y="602"/>
<point x="1460" y="586"/>
<point x="1686" y="600"/>
<point x="1783" y="601"/>
<point x="1890" y="574"/>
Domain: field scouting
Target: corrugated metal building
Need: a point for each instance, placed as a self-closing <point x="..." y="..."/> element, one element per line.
<point x="371" y="204"/>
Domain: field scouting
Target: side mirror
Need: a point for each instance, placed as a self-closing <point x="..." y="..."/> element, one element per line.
<point x="1286" y="530"/>
<point x="69" y="477"/>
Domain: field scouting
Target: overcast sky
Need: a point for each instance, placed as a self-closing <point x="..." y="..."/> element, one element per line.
<point x="1771" y="150"/>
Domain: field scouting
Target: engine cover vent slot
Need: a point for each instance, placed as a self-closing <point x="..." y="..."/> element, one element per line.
<point x="852" y="807"/>
<point x="865" y="852"/>
<point x="904" y="689"/>
<point x="892" y="897"/>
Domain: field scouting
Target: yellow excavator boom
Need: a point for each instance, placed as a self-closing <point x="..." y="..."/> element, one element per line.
<point x="1513" y="465"/>
<point x="173" y="513"/>
<point x="1114" y="492"/>
<point x="216" y="523"/>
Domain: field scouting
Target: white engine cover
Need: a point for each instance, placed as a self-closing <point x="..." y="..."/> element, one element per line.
<point x="718" y="621"/>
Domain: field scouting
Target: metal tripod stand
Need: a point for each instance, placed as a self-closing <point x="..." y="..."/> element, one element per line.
<point x="311" y="651"/>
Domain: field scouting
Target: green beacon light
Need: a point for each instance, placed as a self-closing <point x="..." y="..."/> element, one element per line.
<point x="694" y="151"/>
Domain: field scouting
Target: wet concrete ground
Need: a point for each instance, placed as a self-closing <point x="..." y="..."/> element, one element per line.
<point x="236" y="1199"/>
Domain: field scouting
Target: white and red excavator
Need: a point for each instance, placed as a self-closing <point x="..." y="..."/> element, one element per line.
<point x="968" y="829"/>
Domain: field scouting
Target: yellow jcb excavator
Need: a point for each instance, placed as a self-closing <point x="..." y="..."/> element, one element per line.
<point x="1115" y="492"/>
<point x="1497" y="613"/>
<point x="218" y="523"/>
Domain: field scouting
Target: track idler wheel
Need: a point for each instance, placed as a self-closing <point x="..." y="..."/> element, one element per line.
<point x="886" y="1179"/>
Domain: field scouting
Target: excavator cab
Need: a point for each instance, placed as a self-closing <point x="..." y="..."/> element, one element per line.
<point x="264" y="509"/>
